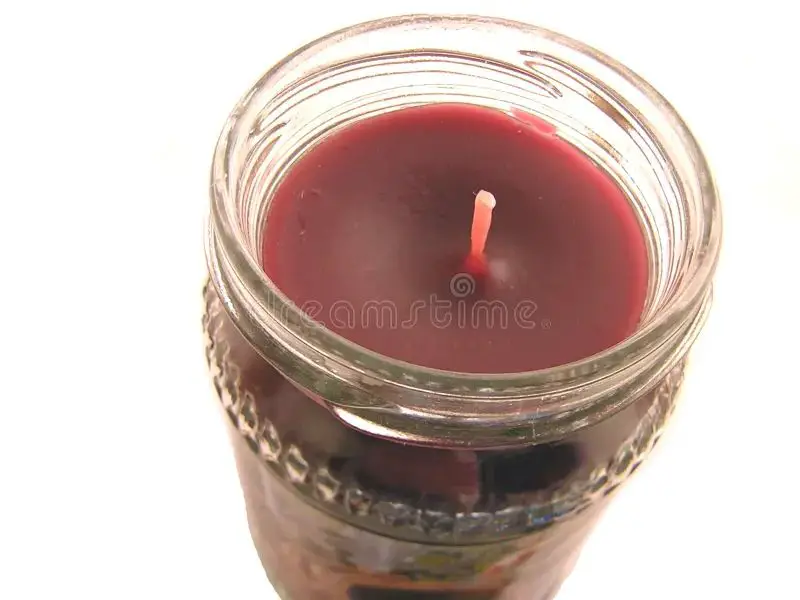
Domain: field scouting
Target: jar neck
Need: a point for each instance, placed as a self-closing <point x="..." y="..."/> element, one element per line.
<point x="597" y="105"/>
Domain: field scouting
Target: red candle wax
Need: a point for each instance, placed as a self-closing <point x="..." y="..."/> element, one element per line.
<point x="370" y="234"/>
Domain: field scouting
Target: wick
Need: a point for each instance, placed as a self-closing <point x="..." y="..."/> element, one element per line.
<point x="481" y="222"/>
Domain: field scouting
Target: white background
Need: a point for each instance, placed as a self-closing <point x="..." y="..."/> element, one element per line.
<point x="116" y="479"/>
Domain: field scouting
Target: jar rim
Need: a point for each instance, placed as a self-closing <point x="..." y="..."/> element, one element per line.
<point x="258" y="306"/>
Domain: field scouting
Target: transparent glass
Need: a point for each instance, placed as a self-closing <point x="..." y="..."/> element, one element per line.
<point x="363" y="474"/>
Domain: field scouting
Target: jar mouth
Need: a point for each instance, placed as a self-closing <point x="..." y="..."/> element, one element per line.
<point x="361" y="385"/>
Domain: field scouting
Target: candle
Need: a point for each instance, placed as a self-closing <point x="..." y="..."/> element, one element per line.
<point x="456" y="266"/>
<point x="373" y="231"/>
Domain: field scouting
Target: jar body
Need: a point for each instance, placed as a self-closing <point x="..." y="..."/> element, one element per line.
<point x="337" y="514"/>
<point x="367" y="478"/>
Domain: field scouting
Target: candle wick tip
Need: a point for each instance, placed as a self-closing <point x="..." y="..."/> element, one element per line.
<point x="486" y="198"/>
<point x="481" y="223"/>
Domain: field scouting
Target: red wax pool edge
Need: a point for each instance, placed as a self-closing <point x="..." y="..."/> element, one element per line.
<point x="369" y="230"/>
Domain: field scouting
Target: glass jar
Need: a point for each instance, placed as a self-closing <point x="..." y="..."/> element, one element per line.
<point x="367" y="478"/>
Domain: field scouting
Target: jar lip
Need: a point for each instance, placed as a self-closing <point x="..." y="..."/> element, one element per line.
<point x="684" y="304"/>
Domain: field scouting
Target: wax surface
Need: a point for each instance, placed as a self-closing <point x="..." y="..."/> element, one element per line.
<point x="370" y="229"/>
